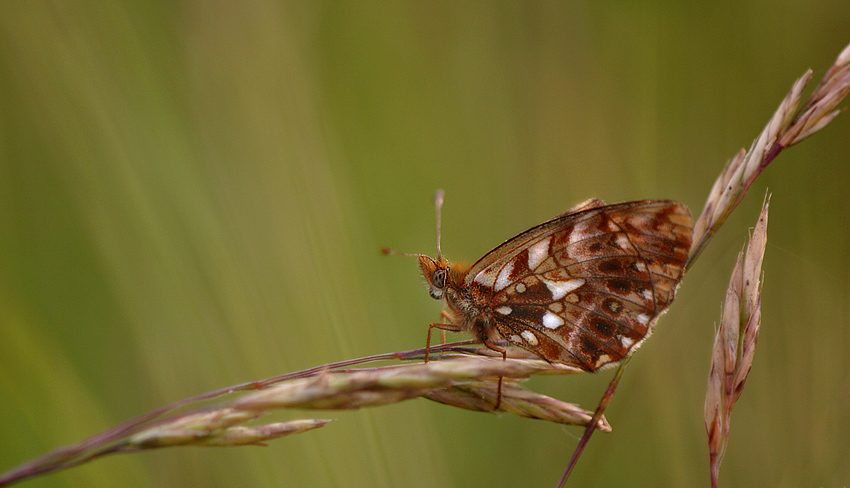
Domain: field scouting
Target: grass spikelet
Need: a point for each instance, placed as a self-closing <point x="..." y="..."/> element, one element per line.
<point x="734" y="344"/>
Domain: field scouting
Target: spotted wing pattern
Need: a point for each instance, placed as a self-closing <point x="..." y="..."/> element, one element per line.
<point x="585" y="288"/>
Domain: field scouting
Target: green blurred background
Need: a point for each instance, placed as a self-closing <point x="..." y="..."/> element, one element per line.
<point x="194" y="194"/>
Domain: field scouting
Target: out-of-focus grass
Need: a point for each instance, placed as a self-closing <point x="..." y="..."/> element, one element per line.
<point x="193" y="195"/>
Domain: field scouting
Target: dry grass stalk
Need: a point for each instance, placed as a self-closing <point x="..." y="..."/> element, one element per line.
<point x="735" y="343"/>
<point x="203" y="427"/>
<point x="217" y="428"/>
<point x="351" y="389"/>
<point x="481" y="396"/>
<point x="787" y="127"/>
<point x="464" y="380"/>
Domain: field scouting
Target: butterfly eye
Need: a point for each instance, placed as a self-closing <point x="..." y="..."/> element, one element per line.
<point x="438" y="282"/>
<point x="439" y="278"/>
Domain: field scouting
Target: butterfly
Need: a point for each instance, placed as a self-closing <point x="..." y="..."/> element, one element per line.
<point x="583" y="289"/>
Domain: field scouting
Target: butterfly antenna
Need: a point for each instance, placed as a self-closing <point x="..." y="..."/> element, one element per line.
<point x="386" y="251"/>
<point x="438" y="206"/>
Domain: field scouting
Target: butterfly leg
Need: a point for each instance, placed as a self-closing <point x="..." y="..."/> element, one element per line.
<point x="443" y="327"/>
<point x="446" y="318"/>
<point x="504" y="352"/>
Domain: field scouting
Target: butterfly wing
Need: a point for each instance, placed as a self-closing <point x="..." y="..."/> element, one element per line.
<point x="585" y="288"/>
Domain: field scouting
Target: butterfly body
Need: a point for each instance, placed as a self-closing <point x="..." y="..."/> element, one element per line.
<point x="582" y="289"/>
<point x="447" y="281"/>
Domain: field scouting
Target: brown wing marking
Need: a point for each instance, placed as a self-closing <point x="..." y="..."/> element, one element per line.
<point x="628" y="258"/>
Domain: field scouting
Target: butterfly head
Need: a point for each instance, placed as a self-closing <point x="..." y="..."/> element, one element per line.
<point x="442" y="276"/>
<point x="435" y="272"/>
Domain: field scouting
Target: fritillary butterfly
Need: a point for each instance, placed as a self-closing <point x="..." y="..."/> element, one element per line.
<point x="583" y="289"/>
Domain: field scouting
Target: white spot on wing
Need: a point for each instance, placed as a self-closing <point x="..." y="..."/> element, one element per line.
<point x="538" y="253"/>
<point x="579" y="233"/>
<point x="560" y="289"/>
<point x="503" y="279"/>
<point x="515" y="338"/>
<point x="485" y="278"/>
<point x="647" y="294"/>
<point x="529" y="337"/>
<point x="626" y="342"/>
<point x="504" y="310"/>
<point x="603" y="359"/>
<point x="643" y="318"/>
<point x="552" y="321"/>
<point x="520" y="288"/>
